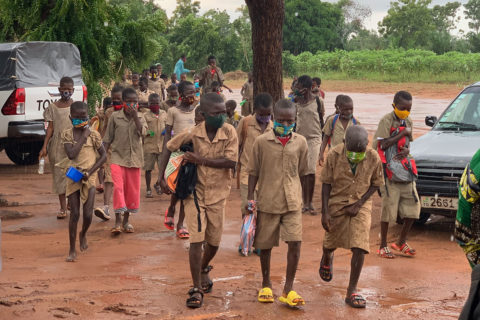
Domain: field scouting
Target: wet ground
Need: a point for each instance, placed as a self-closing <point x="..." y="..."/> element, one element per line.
<point x="145" y="275"/>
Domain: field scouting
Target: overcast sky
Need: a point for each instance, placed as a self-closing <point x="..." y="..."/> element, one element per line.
<point x="379" y="8"/>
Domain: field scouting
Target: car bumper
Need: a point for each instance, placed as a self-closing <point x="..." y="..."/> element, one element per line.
<point x="26" y="129"/>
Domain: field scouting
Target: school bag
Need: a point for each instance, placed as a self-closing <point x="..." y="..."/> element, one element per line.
<point x="334" y="122"/>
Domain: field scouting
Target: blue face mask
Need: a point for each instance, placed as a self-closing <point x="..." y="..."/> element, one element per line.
<point x="283" y="130"/>
<point x="79" y="123"/>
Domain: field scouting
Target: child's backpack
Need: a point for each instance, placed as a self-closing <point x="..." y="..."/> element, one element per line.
<point x="334" y="122"/>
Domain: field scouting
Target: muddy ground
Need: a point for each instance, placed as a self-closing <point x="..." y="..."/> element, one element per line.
<point x="145" y="275"/>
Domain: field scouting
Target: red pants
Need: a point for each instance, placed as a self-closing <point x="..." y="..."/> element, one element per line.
<point x="126" y="188"/>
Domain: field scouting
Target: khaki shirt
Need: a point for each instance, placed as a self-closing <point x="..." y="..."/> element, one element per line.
<point x="165" y="105"/>
<point x="156" y="124"/>
<point x="248" y="91"/>
<point x="180" y="120"/>
<point x="389" y="121"/>
<point x="143" y="96"/>
<point x="251" y="131"/>
<point x="206" y="78"/>
<point x="338" y="134"/>
<point x="156" y="86"/>
<point x="124" y="140"/>
<point x="279" y="169"/>
<point x="308" y="119"/>
<point x="213" y="184"/>
<point x="348" y="188"/>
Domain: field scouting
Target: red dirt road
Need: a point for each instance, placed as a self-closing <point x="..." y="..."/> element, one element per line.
<point x="145" y="275"/>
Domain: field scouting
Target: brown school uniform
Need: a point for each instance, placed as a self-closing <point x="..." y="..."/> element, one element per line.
<point x="180" y="120"/>
<point x="84" y="161"/>
<point x="102" y="119"/>
<point x="213" y="184"/>
<point x="247" y="131"/>
<point x="207" y="78"/>
<point x="124" y="140"/>
<point x="55" y="150"/>
<point x="347" y="188"/>
<point x="157" y="86"/>
<point x="338" y="134"/>
<point x="279" y="200"/>
<point x="308" y="125"/>
<point x="399" y="200"/>
<point x="165" y="105"/>
<point x="143" y="96"/>
<point x="247" y="107"/>
<point x="153" y="142"/>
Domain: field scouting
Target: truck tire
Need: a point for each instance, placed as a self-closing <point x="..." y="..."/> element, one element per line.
<point x="24" y="153"/>
<point x="423" y="218"/>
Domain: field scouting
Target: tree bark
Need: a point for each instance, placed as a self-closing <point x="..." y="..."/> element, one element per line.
<point x="267" y="17"/>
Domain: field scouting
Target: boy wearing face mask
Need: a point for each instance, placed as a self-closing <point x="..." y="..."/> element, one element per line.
<point x="215" y="146"/>
<point x="276" y="164"/>
<point x="352" y="174"/>
<point x="172" y="98"/>
<point x="153" y="142"/>
<point x="398" y="198"/>
<point x="336" y="126"/>
<point x="85" y="152"/>
<point x="125" y="131"/>
<point x="248" y="130"/>
<point x="143" y="93"/>
<point x="58" y="117"/>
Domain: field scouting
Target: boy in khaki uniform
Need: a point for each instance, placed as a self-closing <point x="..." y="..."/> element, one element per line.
<point x="233" y="117"/>
<point x="143" y="93"/>
<point x="277" y="162"/>
<point x="247" y="95"/>
<point x="172" y="98"/>
<point x="215" y="146"/>
<point x="153" y="142"/>
<point x="352" y="174"/>
<point x="156" y="84"/>
<point x="398" y="198"/>
<point x="211" y="73"/>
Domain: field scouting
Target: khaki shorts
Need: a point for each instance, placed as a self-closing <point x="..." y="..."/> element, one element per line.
<point x="313" y="152"/>
<point x="149" y="160"/>
<point x="271" y="226"/>
<point x="349" y="232"/>
<point x="212" y="218"/>
<point x="399" y="201"/>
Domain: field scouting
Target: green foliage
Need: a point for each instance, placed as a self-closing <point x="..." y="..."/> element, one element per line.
<point x="386" y="65"/>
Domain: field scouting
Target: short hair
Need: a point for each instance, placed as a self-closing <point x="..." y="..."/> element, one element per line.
<point x="342" y="99"/>
<point x="317" y="80"/>
<point x="173" y="74"/>
<point x="305" y="81"/>
<point x="404" y="95"/>
<point x="231" y="103"/>
<point x="262" y="100"/>
<point x="209" y="98"/>
<point x="143" y="80"/>
<point x="153" y="68"/>
<point x="284" y="104"/>
<point x="356" y="138"/>
<point x="172" y="87"/>
<point x="116" y="88"/>
<point x="212" y="57"/>
<point x="107" y="101"/>
<point x="183" y="86"/>
<point x="135" y="74"/>
<point x="163" y="76"/>
<point x="158" y="65"/>
<point x="184" y="73"/>
<point x="128" y="91"/>
<point x="77" y="106"/>
<point x="153" y="96"/>
<point x="66" y="80"/>
<point x="215" y="84"/>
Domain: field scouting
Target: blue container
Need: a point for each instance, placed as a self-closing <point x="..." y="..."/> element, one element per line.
<point x="74" y="174"/>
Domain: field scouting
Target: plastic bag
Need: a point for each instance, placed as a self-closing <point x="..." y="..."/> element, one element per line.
<point x="247" y="234"/>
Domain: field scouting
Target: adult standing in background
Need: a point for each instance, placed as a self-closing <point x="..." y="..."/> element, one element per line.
<point x="210" y="74"/>
<point x="180" y="66"/>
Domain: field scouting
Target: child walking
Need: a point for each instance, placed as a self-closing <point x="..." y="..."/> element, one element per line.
<point x="247" y="95"/>
<point x="58" y="117"/>
<point x="82" y="146"/>
<point x="125" y="131"/>
<point x="233" y="117"/>
<point x="279" y="213"/>
<point x="153" y="142"/>
<point x="215" y="146"/>
<point x="172" y="98"/>
<point x="156" y="84"/>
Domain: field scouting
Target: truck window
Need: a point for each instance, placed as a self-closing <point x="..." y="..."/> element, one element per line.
<point x="464" y="112"/>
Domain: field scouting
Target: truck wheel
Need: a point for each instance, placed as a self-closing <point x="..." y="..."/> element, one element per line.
<point x="423" y="218"/>
<point x="25" y="153"/>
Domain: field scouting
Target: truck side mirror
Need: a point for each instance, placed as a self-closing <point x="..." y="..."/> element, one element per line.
<point x="430" y="120"/>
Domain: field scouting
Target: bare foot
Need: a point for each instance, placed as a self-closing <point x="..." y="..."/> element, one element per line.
<point x="72" y="256"/>
<point x="83" y="241"/>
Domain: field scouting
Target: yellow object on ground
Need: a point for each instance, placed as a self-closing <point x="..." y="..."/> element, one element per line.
<point x="265" y="295"/>
<point x="293" y="299"/>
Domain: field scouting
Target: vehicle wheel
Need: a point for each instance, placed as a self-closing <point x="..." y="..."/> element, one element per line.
<point x="423" y="218"/>
<point x="25" y="153"/>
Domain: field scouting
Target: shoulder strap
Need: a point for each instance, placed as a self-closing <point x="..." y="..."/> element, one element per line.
<point x="334" y="122"/>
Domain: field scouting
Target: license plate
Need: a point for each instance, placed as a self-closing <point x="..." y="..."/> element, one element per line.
<point x="440" y="203"/>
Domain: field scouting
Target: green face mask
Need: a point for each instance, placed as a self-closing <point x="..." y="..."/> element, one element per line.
<point x="355" y="157"/>
<point x="215" y="121"/>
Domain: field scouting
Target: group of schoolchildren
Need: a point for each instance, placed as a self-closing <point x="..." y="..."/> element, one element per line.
<point x="273" y="148"/>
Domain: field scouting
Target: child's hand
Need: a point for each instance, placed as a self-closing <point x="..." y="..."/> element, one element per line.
<point x="321" y="160"/>
<point x="404" y="152"/>
<point x="193" y="158"/>
<point x="43" y="153"/>
<point x="230" y="90"/>
<point x="353" y="209"/>
<point x="86" y="132"/>
<point x="251" y="207"/>
<point x="326" y="222"/>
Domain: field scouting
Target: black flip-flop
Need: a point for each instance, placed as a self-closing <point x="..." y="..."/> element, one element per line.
<point x="324" y="268"/>
<point x="194" y="302"/>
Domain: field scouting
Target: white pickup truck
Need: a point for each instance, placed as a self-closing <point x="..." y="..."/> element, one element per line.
<point x="29" y="78"/>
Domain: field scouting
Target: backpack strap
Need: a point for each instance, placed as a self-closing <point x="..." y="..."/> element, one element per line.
<point x="334" y="122"/>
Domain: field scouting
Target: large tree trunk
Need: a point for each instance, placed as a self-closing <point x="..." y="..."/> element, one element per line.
<point x="267" y="24"/>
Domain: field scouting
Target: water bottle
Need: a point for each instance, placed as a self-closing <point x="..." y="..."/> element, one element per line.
<point x="41" y="166"/>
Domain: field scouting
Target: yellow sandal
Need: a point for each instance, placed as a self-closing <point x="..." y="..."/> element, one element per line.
<point x="265" y="295"/>
<point x="293" y="299"/>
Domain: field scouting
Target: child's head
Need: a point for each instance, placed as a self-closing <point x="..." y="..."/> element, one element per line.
<point x="143" y="84"/>
<point x="196" y="78"/>
<point x="344" y="105"/>
<point x="294" y="82"/>
<point x="183" y="77"/>
<point x="303" y="86"/>
<point x="263" y="107"/>
<point x="154" y="72"/>
<point x="316" y="82"/>
<point x="164" y="77"/>
<point x="402" y="104"/>
<point x="250" y="77"/>
<point x="215" y="87"/>
<point x="198" y="115"/>
<point x="107" y="103"/>
<point x="213" y="110"/>
<point x="172" y="93"/>
<point x="173" y="77"/>
<point x="146" y="73"/>
<point x="183" y="57"/>
<point x="230" y="106"/>
<point x="116" y="95"/>
<point x="186" y="89"/>
<point x="285" y="114"/>
<point x="356" y="141"/>
<point x="212" y="61"/>
<point x="159" y="69"/>
<point x="135" y="79"/>
<point x="66" y="88"/>
<point x="130" y="98"/>
<point x="154" y="103"/>
<point x="79" y="114"/>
